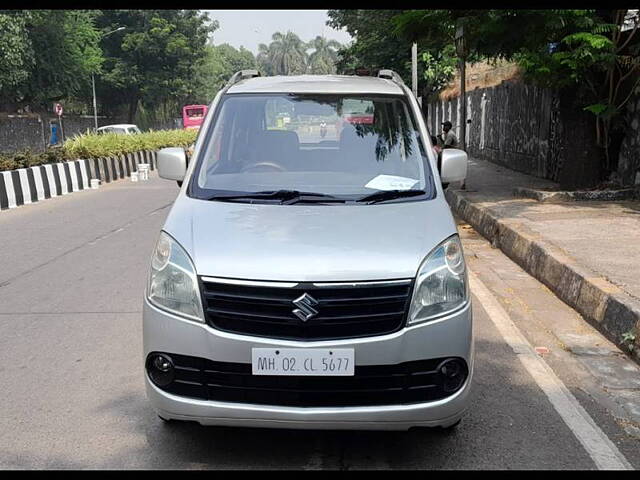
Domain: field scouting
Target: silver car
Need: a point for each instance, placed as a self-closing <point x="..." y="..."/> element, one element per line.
<point x="306" y="278"/>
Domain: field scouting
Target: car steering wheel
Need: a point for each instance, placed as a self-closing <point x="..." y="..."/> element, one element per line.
<point x="264" y="164"/>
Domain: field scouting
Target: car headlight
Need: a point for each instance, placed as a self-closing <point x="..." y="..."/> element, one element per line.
<point x="441" y="284"/>
<point x="173" y="285"/>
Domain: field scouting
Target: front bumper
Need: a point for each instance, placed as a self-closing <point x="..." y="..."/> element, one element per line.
<point x="447" y="337"/>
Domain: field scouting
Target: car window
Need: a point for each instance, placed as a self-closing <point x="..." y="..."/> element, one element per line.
<point x="332" y="144"/>
<point x="195" y="113"/>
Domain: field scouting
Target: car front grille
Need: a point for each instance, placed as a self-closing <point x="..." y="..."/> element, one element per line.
<point x="266" y="309"/>
<point x="405" y="383"/>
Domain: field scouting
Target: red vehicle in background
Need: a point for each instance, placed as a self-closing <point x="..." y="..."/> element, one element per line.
<point x="193" y="115"/>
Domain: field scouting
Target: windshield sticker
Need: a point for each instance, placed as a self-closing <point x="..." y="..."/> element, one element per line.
<point x="391" y="182"/>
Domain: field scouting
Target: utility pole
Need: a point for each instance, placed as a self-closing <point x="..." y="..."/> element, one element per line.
<point x="95" y="108"/>
<point x="462" y="52"/>
<point x="414" y="69"/>
<point x="463" y="99"/>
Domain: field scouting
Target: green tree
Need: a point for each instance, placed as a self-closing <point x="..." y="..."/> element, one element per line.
<point x="67" y="52"/>
<point x="439" y="69"/>
<point x="235" y="59"/>
<point x="47" y="55"/>
<point x="601" y="63"/>
<point x="286" y="54"/>
<point x="16" y="57"/>
<point x="324" y="56"/>
<point x="155" y="58"/>
<point x="377" y="45"/>
<point x="584" y="53"/>
<point x="215" y="69"/>
<point x="264" y="59"/>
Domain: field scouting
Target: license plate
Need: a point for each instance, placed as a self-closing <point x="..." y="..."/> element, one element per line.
<point x="303" y="361"/>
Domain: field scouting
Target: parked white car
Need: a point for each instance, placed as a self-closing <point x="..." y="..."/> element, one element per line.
<point x="121" y="128"/>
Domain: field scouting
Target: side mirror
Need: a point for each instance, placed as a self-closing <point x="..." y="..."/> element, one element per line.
<point x="454" y="165"/>
<point x="172" y="163"/>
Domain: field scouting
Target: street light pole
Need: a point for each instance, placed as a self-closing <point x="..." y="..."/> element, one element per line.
<point x="95" y="108"/>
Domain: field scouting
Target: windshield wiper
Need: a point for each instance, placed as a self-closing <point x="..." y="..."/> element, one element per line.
<point x="286" y="197"/>
<point x="383" y="195"/>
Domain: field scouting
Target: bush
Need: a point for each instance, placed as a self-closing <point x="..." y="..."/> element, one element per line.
<point x="94" y="146"/>
<point x="91" y="145"/>
<point x="26" y="158"/>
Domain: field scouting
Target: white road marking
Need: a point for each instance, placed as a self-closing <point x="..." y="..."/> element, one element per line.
<point x="602" y="451"/>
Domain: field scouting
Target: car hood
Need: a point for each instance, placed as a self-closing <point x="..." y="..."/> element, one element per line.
<point x="309" y="242"/>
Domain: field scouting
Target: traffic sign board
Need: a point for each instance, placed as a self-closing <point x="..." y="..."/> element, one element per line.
<point x="58" y="109"/>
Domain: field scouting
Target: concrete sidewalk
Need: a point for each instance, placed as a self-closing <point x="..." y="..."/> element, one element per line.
<point x="586" y="252"/>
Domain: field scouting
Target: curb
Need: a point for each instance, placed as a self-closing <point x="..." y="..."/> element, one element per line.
<point x="604" y="305"/>
<point x="34" y="184"/>
<point x="571" y="196"/>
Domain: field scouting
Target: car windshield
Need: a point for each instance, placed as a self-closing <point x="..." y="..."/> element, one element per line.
<point x="346" y="146"/>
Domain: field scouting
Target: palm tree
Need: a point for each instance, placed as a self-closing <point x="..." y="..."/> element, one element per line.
<point x="264" y="59"/>
<point x="287" y="54"/>
<point x="325" y="55"/>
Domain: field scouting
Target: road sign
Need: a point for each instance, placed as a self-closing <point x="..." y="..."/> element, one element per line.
<point x="58" y="109"/>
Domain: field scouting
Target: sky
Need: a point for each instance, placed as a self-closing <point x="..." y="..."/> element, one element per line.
<point x="249" y="28"/>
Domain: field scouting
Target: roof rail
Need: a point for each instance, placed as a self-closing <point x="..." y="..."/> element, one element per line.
<point x="391" y="75"/>
<point x="241" y="75"/>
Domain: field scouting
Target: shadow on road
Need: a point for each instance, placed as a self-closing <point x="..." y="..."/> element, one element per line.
<point x="510" y="425"/>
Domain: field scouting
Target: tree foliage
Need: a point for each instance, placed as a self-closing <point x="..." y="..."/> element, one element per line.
<point x="376" y="45"/>
<point x="16" y="56"/>
<point x="146" y="63"/>
<point x="287" y="54"/>
<point x="439" y="68"/>
<point x="323" y="59"/>
<point x="584" y="52"/>
<point x="218" y="65"/>
<point x="379" y="44"/>
<point x="47" y="55"/>
<point x="155" y="58"/>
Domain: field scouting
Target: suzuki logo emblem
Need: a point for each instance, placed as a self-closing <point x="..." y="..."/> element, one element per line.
<point x="305" y="304"/>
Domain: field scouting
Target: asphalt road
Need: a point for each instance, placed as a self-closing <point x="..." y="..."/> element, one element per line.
<point x="72" y="273"/>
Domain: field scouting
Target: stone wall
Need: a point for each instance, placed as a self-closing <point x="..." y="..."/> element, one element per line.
<point x="629" y="158"/>
<point x="526" y="128"/>
<point x="33" y="131"/>
<point x="18" y="132"/>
